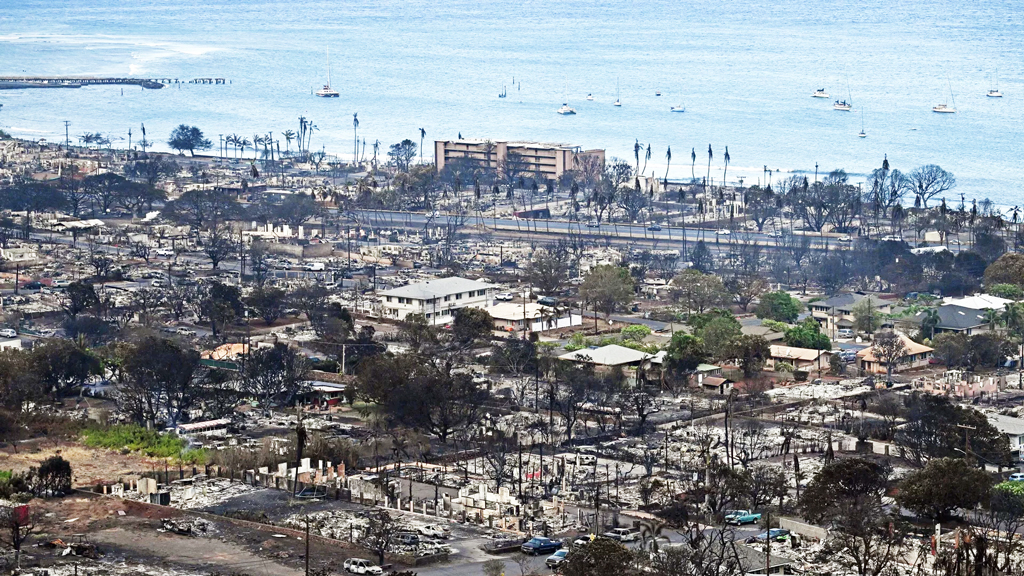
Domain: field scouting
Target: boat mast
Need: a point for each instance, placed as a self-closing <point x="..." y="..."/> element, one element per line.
<point x="328" y="66"/>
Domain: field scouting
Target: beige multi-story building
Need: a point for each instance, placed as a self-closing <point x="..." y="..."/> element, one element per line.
<point x="550" y="161"/>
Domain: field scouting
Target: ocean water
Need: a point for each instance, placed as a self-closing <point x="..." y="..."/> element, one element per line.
<point x="744" y="70"/>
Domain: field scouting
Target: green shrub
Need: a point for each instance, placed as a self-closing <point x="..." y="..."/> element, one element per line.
<point x="577" y="342"/>
<point x="136" y="439"/>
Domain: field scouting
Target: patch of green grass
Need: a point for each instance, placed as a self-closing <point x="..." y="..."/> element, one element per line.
<point x="135" y="438"/>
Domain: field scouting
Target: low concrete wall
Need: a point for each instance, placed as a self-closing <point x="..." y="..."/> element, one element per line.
<point x="803" y="528"/>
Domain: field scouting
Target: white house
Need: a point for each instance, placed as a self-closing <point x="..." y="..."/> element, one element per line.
<point x="1014" y="430"/>
<point x="438" y="300"/>
<point x="510" y="317"/>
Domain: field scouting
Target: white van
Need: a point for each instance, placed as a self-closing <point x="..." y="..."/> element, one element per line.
<point x="316" y="267"/>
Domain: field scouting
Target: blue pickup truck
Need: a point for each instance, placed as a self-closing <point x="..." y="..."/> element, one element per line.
<point x="539" y="545"/>
<point x="741" y="517"/>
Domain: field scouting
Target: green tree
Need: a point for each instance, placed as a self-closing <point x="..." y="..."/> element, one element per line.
<point x="471" y="325"/>
<point x="951" y="348"/>
<point x="79" y="297"/>
<point x="635" y="332"/>
<point x="719" y="336"/>
<point x="402" y="153"/>
<point x="942" y="487"/>
<point x="188" y="138"/>
<point x="866" y="317"/>
<point x="1008" y="291"/>
<point x="934" y="428"/>
<point x="602" y="557"/>
<point x="685" y="352"/>
<point x="61" y="364"/>
<point x="268" y="303"/>
<point x="752" y="353"/>
<point x="607" y="287"/>
<point x="274" y="373"/>
<point x="807" y="334"/>
<point x="846" y="497"/>
<point x="778" y="306"/>
<point x="219" y="304"/>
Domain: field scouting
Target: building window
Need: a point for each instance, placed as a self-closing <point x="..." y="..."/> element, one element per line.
<point x="458" y="296"/>
<point x="389" y="298"/>
<point x="446" y="298"/>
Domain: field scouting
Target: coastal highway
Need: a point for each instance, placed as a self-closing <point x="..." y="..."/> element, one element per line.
<point x="631" y="232"/>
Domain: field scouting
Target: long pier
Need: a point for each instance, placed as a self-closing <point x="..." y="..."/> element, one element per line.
<point x="20" y="82"/>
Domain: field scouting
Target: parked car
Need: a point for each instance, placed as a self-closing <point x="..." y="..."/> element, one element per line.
<point x="433" y="531"/>
<point x="775" y="534"/>
<point x="654" y="227"/>
<point x="593" y="224"/>
<point x="8" y="333"/>
<point x="1017" y="477"/>
<point x="504" y="296"/>
<point x="406" y="539"/>
<point x="845" y="238"/>
<point x="556" y="559"/>
<point x="185" y="331"/>
<point x="722" y="232"/>
<point x="360" y="566"/>
<point x="741" y="517"/>
<point x="622" y="534"/>
<point x="892" y="238"/>
<point x="845" y="333"/>
<point x="540" y="545"/>
<point x="775" y="234"/>
<point x="547" y="301"/>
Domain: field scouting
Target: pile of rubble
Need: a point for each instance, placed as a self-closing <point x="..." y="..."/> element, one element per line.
<point x="198" y="492"/>
<point x="195" y="527"/>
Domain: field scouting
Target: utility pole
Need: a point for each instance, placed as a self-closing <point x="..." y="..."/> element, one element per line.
<point x="67" y="137"/>
<point x="967" y="440"/>
<point x="767" y="546"/>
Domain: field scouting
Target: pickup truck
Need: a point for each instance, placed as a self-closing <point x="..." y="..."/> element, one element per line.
<point x="539" y="545"/>
<point x="741" y="517"/>
<point x="622" y="534"/>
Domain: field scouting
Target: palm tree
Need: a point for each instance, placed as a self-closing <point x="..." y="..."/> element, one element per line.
<point x="243" y="144"/>
<point x="668" y="162"/>
<point x="423" y="134"/>
<point x="289" y="135"/>
<point x="647" y="157"/>
<point x="726" y="170"/>
<point x="636" y="154"/>
<point x="710" y="156"/>
<point x="355" y="137"/>
<point x="931" y="320"/>
<point x="993" y="318"/>
<point x="693" y="162"/>
<point x="257" y="141"/>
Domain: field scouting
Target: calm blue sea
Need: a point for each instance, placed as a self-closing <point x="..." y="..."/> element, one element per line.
<point x="744" y="70"/>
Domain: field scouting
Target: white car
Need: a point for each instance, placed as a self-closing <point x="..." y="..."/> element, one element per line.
<point x="845" y="238"/>
<point x="1017" y="477"/>
<point x="360" y="566"/>
<point x="622" y="534"/>
<point x="504" y="296"/>
<point x="722" y="232"/>
<point x="433" y="531"/>
<point x="165" y="252"/>
<point x="8" y="333"/>
<point x="892" y="238"/>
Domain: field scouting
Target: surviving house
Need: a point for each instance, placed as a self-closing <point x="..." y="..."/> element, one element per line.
<point x="437" y="300"/>
<point x="799" y="358"/>
<point x="915" y="356"/>
<point x="836" y="312"/>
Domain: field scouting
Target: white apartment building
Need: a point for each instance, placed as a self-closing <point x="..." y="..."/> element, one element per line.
<point x="438" y="300"/>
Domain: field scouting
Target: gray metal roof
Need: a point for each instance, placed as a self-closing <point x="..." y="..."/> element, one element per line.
<point x="437" y="288"/>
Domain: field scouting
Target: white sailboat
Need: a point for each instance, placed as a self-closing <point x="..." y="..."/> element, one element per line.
<point x="994" y="92"/>
<point x="617" y="102"/>
<point x="820" y="93"/>
<point x="590" y="97"/>
<point x="327" y="91"/>
<point x="680" y="108"/>
<point x="945" y="108"/>
<point x="566" y="110"/>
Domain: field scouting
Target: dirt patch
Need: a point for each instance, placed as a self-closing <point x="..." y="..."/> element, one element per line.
<point x="90" y="466"/>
